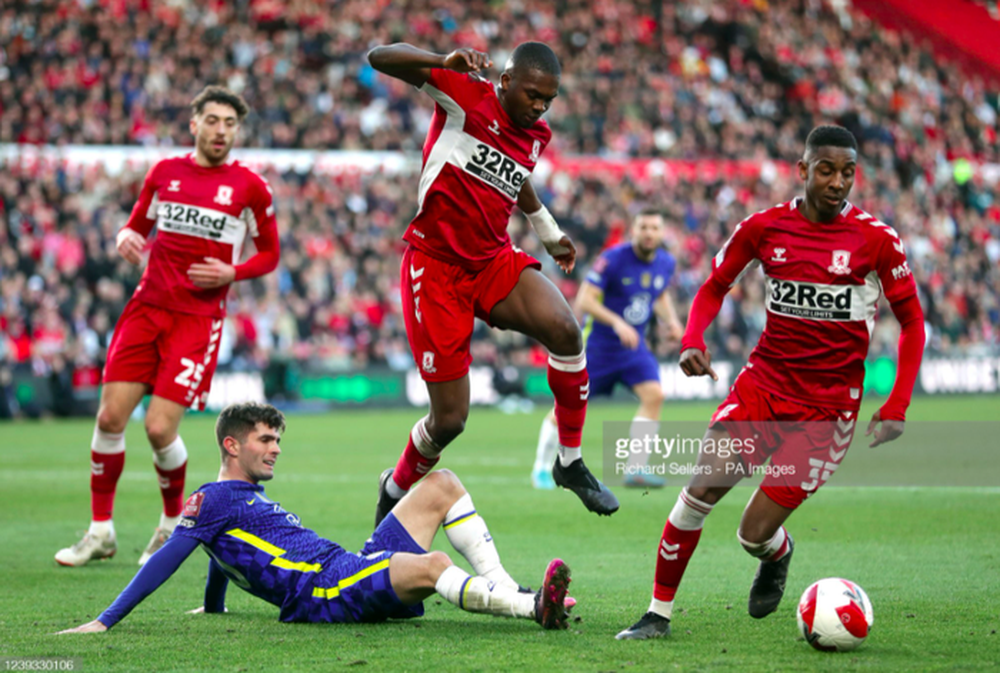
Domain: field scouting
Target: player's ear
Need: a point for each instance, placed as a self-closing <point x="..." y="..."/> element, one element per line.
<point x="232" y="446"/>
<point x="803" y="169"/>
<point x="193" y="126"/>
<point x="505" y="81"/>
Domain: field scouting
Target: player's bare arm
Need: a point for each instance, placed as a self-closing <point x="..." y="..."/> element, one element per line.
<point x="665" y="311"/>
<point x="413" y="65"/>
<point x="212" y="273"/>
<point x="90" y="627"/>
<point x="588" y="300"/>
<point x="555" y="240"/>
<point x="130" y="244"/>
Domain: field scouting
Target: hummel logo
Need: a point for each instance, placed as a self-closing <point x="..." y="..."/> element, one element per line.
<point x="495" y="127"/>
<point x="175" y="186"/>
<point x="779" y="255"/>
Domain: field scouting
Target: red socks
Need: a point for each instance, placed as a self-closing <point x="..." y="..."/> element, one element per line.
<point x="570" y="385"/>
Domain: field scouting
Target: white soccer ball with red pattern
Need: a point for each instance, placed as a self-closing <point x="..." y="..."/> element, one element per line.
<point x="835" y="615"/>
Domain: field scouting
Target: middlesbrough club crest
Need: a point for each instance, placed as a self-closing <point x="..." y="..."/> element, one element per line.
<point x="841" y="263"/>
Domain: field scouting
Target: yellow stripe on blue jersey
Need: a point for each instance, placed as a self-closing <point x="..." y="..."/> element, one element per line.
<point x="332" y="592"/>
<point x="463" y="519"/>
<point x="276" y="552"/>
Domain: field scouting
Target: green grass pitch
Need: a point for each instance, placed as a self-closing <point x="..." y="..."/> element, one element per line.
<point x="928" y="557"/>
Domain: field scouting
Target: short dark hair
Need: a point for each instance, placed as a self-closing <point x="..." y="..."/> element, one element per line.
<point x="831" y="136"/>
<point x="220" y="94"/>
<point x="239" y="420"/>
<point x="649" y="211"/>
<point x="535" y="56"/>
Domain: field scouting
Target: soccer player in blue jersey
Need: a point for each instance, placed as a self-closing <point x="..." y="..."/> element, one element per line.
<point x="264" y="549"/>
<point x="623" y="289"/>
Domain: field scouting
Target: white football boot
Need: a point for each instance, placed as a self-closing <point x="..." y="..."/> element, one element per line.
<point x="90" y="548"/>
<point x="160" y="536"/>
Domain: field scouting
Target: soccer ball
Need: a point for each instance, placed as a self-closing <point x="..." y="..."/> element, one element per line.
<point x="835" y="615"/>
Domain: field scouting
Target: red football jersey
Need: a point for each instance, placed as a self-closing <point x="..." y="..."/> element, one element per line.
<point x="823" y="283"/>
<point x="475" y="162"/>
<point x="199" y="212"/>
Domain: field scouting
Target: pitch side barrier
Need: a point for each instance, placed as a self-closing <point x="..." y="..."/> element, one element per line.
<point x="303" y="388"/>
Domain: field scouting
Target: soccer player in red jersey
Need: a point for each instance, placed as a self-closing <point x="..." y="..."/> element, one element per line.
<point x="204" y="205"/>
<point x="482" y="146"/>
<point x="826" y="262"/>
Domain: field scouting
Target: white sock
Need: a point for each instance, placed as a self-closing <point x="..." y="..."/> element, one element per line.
<point x="477" y="594"/>
<point x="640" y="429"/>
<point x="107" y="442"/>
<point x="689" y="513"/>
<point x="568" y="455"/>
<point x="548" y="444"/>
<point x="468" y="534"/>
<point x="424" y="445"/>
<point x="168" y="522"/>
<point x="105" y="529"/>
<point x="766" y="550"/>
<point x="171" y="456"/>
<point x="662" y="608"/>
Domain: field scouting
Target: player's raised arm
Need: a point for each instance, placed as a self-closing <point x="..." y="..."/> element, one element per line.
<point x="150" y="577"/>
<point x="739" y="252"/>
<point x="413" y="65"/>
<point x="900" y="290"/>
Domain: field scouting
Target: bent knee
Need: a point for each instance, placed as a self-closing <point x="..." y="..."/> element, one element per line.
<point x="448" y="426"/>
<point x="111" y="420"/>
<point x="447" y="482"/>
<point x="437" y="562"/>
<point x="565" y="337"/>
<point x="160" y="433"/>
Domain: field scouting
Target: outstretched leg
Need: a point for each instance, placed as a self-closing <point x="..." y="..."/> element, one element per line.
<point x="682" y="532"/>
<point x="536" y="308"/>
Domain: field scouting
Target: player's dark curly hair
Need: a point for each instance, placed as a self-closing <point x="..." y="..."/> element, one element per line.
<point x="535" y="56"/>
<point x="831" y="136"/>
<point x="238" y="420"/>
<point x="220" y="94"/>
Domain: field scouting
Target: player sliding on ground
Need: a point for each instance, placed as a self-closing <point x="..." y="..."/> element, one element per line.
<point x="265" y="550"/>
<point x="826" y="263"/>
<point x="166" y="343"/>
<point x="483" y="144"/>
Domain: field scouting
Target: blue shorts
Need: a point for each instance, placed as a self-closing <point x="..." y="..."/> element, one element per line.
<point x="356" y="587"/>
<point x="630" y="368"/>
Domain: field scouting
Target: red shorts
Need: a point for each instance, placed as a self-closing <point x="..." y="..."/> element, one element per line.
<point x="441" y="302"/>
<point x="173" y="353"/>
<point x="805" y="444"/>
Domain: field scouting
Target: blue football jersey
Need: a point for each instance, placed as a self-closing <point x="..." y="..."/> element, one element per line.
<point x="630" y="286"/>
<point x="260" y="546"/>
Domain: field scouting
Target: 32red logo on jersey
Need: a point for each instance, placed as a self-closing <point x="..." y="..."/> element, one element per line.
<point x="193" y="505"/>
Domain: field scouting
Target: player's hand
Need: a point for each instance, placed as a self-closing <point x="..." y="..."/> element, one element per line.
<point x="467" y="60"/>
<point x="201" y="611"/>
<point x="886" y="432"/>
<point x="564" y="252"/>
<point x="626" y="334"/>
<point x="696" y="363"/>
<point x="213" y="273"/>
<point x="130" y="244"/>
<point x="90" y="627"/>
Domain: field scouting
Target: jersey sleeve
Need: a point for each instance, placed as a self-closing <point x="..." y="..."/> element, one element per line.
<point x="205" y="516"/>
<point x="449" y="88"/>
<point x="143" y="217"/>
<point x="600" y="272"/>
<point x="891" y="266"/>
<point x="150" y="577"/>
<point x="264" y="231"/>
<point x="737" y="255"/>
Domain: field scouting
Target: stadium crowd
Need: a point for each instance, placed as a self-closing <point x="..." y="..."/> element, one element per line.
<point x="739" y="79"/>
